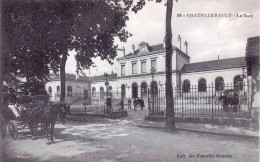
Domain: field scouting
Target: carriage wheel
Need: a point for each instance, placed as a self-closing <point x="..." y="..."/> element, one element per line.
<point x="13" y="130"/>
<point x="3" y="125"/>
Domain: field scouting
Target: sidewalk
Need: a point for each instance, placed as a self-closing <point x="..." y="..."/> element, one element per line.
<point x="238" y="132"/>
<point x="136" y="118"/>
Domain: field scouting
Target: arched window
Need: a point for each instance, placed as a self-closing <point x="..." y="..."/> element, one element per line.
<point x="144" y="89"/>
<point x="58" y="90"/>
<point x="219" y="84"/>
<point x="93" y="92"/>
<point x="78" y="90"/>
<point x="154" y="88"/>
<point x="186" y="86"/>
<point x="101" y="91"/>
<point x="69" y="91"/>
<point x="202" y="85"/>
<point x="50" y="91"/>
<point x="238" y="83"/>
<point x="134" y="90"/>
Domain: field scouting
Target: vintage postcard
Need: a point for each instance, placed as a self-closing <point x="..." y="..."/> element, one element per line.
<point x="129" y="80"/>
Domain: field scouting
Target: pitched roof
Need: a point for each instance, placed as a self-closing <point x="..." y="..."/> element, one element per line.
<point x="153" y="49"/>
<point x="71" y="77"/>
<point x="252" y="47"/>
<point x="214" y="65"/>
<point x="103" y="78"/>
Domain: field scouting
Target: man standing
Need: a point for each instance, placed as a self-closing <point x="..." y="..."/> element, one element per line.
<point x="129" y="103"/>
<point x="135" y="104"/>
<point x="138" y="102"/>
<point x="122" y="105"/>
<point x="142" y="104"/>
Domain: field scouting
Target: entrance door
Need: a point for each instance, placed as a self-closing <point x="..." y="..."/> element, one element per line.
<point x="144" y="90"/>
<point x="85" y="94"/>
<point x="134" y="90"/>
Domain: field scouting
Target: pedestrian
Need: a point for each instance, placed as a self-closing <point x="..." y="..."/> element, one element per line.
<point x="129" y="103"/>
<point x="138" y="102"/>
<point x="135" y="104"/>
<point x="142" y="104"/>
<point x="122" y="105"/>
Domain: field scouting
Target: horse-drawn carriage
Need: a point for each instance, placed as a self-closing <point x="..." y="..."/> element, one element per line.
<point x="20" y="111"/>
<point x="26" y="113"/>
<point x="32" y="112"/>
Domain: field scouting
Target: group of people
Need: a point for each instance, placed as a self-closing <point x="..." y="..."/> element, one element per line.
<point x="137" y="102"/>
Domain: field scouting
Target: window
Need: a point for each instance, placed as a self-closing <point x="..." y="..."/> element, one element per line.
<point x="238" y="83"/>
<point x="134" y="68"/>
<point x="202" y="85"/>
<point x="50" y="91"/>
<point x="58" y="90"/>
<point x="122" y="69"/>
<point x="102" y="93"/>
<point x="85" y="94"/>
<point x="186" y="86"/>
<point x="134" y="90"/>
<point x="143" y="67"/>
<point x="219" y="84"/>
<point x="143" y="89"/>
<point x="153" y="64"/>
<point x="69" y="91"/>
<point x="78" y="91"/>
<point x="93" y="92"/>
<point x="154" y="88"/>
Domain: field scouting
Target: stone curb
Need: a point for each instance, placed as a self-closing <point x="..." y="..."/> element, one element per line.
<point x="242" y="136"/>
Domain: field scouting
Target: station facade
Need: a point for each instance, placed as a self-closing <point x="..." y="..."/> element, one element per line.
<point x="144" y="68"/>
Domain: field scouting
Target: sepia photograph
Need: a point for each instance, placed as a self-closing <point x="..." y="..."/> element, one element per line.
<point x="129" y="80"/>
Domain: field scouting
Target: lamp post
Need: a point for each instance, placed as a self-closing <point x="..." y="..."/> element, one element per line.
<point x="106" y="83"/>
<point x="153" y="88"/>
<point x="186" y="45"/>
<point x="244" y="75"/>
<point x="108" y="101"/>
<point x="243" y="72"/>
<point x="153" y="72"/>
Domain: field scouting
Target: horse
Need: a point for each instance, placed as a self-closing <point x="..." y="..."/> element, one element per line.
<point x="47" y="116"/>
<point x="232" y="100"/>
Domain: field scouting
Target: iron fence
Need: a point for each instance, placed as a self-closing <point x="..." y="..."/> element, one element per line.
<point x="228" y="101"/>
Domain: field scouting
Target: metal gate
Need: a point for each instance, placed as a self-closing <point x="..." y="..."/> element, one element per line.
<point x="228" y="101"/>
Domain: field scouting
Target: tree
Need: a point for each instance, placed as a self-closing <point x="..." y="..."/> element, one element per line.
<point x="45" y="31"/>
<point x="27" y="60"/>
<point x="170" y="122"/>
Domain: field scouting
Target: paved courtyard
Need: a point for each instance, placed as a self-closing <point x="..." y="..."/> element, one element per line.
<point x="120" y="140"/>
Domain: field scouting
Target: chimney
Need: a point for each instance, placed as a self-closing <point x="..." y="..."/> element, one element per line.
<point x="186" y="45"/>
<point x="124" y="51"/>
<point x="133" y="47"/>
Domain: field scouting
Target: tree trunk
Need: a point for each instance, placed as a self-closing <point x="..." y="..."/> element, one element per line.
<point x="1" y="61"/>
<point x="170" y="122"/>
<point x="63" y="77"/>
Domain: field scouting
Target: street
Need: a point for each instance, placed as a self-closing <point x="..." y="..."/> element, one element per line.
<point x="120" y="140"/>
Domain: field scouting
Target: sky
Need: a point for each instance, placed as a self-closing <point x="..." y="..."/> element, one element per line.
<point x="208" y="37"/>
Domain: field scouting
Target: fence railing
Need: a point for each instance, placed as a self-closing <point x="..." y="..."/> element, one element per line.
<point x="229" y="101"/>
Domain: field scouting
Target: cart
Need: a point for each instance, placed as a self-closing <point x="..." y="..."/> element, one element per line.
<point x="28" y="112"/>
